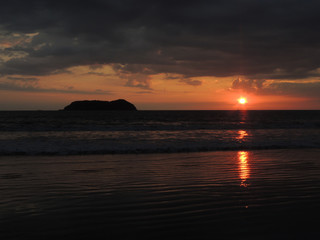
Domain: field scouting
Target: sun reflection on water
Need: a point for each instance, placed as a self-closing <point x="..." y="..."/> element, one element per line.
<point x="242" y="134"/>
<point x="244" y="169"/>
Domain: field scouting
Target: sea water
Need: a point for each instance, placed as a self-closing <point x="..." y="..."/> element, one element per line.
<point x="65" y="133"/>
<point x="160" y="175"/>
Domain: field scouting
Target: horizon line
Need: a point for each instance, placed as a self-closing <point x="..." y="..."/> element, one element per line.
<point x="61" y="110"/>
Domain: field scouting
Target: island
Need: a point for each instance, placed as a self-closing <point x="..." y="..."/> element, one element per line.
<point x="96" y="105"/>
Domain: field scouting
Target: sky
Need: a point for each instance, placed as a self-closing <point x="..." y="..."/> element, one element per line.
<point x="160" y="55"/>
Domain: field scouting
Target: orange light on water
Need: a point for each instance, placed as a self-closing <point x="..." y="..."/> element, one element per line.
<point x="244" y="169"/>
<point x="242" y="134"/>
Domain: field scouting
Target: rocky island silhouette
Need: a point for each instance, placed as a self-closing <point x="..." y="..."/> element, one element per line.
<point x="96" y="105"/>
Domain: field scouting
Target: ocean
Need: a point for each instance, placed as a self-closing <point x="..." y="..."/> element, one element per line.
<point x="70" y="133"/>
<point x="160" y="175"/>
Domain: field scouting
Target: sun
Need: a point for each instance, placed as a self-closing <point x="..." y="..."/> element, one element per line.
<point x="242" y="100"/>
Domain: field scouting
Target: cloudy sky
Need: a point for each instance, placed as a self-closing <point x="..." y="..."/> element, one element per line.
<point x="160" y="54"/>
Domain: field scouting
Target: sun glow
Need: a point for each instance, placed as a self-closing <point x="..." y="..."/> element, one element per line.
<point x="242" y="100"/>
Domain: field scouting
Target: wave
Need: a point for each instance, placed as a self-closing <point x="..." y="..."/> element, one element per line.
<point x="80" y="133"/>
<point x="139" y="148"/>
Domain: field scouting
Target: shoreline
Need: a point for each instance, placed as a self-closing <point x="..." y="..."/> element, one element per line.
<point x="146" y="152"/>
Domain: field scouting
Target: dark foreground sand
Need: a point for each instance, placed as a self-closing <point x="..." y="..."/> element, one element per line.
<point x="264" y="194"/>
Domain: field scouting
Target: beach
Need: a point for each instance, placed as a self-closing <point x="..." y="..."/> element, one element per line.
<point x="249" y="194"/>
<point x="159" y="120"/>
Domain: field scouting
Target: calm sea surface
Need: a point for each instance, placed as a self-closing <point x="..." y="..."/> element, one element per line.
<point x="160" y="175"/>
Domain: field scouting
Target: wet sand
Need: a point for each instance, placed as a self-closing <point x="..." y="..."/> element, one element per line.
<point x="261" y="194"/>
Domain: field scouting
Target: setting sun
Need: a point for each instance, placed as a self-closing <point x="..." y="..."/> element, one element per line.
<point x="242" y="100"/>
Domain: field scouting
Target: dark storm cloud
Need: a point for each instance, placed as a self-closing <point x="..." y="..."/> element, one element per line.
<point x="277" y="39"/>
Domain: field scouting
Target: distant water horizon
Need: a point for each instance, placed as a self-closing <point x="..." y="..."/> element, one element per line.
<point x="166" y="110"/>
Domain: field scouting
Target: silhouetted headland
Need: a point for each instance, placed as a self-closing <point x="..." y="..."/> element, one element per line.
<point x="95" y="105"/>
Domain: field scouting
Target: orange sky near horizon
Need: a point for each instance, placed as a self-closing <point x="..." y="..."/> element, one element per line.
<point x="164" y="92"/>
